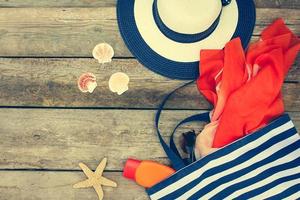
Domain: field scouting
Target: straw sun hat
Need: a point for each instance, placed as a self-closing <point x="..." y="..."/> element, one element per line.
<point x="167" y="35"/>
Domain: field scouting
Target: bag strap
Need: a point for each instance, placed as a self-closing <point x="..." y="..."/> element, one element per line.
<point x="203" y="117"/>
<point x="172" y="151"/>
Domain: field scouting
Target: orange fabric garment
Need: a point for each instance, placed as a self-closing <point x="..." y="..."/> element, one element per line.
<point x="215" y="89"/>
<point x="245" y="88"/>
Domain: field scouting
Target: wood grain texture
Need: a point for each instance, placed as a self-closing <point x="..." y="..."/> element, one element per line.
<point x="48" y="140"/>
<point x="60" y="139"/>
<point x="53" y="82"/>
<point x="58" y="185"/>
<point x="108" y="3"/>
<point x="73" y="32"/>
<point x="58" y="3"/>
<point x="278" y="4"/>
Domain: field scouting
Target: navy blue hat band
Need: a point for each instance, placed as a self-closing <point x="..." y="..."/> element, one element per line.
<point x="181" y="37"/>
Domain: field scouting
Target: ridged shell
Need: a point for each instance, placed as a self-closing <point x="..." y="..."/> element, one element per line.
<point x="87" y="82"/>
<point x="103" y="53"/>
<point x="118" y="83"/>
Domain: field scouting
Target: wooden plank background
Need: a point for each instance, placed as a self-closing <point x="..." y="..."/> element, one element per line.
<point x="52" y="82"/>
<point x="108" y="3"/>
<point x="47" y="126"/>
<point x="58" y="139"/>
<point x="74" y="32"/>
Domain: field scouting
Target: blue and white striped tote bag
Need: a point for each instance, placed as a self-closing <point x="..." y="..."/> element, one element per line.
<point x="262" y="165"/>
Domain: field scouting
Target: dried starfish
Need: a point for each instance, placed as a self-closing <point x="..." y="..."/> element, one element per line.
<point x="95" y="179"/>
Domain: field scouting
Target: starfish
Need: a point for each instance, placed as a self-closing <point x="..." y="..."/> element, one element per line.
<point x="95" y="179"/>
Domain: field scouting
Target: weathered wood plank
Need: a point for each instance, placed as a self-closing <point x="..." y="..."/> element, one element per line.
<point x="278" y="4"/>
<point x="60" y="139"/>
<point x="266" y="16"/>
<point x="53" y="82"/>
<point x="58" y="185"/>
<point x="73" y="32"/>
<point x="108" y="3"/>
<point x="58" y="31"/>
<point x="57" y="3"/>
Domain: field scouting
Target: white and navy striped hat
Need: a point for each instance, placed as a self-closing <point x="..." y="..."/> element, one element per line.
<point x="167" y="35"/>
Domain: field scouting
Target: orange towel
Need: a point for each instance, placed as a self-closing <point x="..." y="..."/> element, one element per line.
<point x="245" y="88"/>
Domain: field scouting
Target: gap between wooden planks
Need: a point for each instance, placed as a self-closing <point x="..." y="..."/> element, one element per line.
<point x="73" y="32"/>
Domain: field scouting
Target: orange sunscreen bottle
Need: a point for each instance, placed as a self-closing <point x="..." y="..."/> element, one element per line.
<point x="146" y="173"/>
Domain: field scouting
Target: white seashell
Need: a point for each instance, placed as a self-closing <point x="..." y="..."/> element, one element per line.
<point x="118" y="83"/>
<point x="103" y="53"/>
<point x="87" y="82"/>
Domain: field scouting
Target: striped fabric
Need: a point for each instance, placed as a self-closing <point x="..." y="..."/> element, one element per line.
<point x="262" y="165"/>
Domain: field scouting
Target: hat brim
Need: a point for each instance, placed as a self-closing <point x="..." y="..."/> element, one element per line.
<point x="159" y="63"/>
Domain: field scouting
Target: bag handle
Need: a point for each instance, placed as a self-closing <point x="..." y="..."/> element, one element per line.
<point x="172" y="151"/>
<point x="203" y="117"/>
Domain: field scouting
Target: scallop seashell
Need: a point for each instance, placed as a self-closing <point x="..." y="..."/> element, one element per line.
<point x="103" y="53"/>
<point x="118" y="83"/>
<point x="87" y="82"/>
